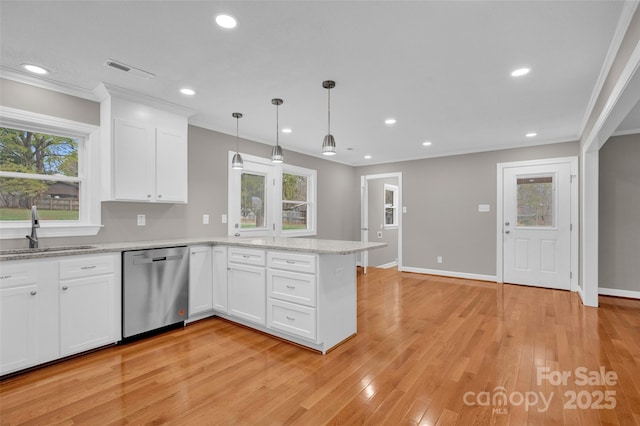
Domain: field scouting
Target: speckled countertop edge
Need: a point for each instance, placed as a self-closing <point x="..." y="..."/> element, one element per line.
<point x="303" y="245"/>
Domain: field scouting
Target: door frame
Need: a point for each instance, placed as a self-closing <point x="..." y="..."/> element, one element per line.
<point x="500" y="167"/>
<point x="364" y="212"/>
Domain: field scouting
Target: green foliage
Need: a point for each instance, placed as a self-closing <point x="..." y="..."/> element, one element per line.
<point x="38" y="152"/>
<point x="294" y="187"/>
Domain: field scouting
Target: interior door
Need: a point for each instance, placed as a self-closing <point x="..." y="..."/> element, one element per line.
<point x="537" y="225"/>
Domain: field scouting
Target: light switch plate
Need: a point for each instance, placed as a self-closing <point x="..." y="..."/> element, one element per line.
<point x="142" y="220"/>
<point x="224" y="218"/>
<point x="404" y="209"/>
<point x="205" y="219"/>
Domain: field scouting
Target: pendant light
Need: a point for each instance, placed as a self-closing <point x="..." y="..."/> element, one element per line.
<point x="276" y="153"/>
<point x="236" y="162"/>
<point x="329" y="143"/>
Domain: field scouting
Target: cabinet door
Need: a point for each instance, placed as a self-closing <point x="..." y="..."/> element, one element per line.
<point x="134" y="161"/>
<point x="200" y="280"/>
<point x="220" y="278"/>
<point x="18" y="328"/>
<point x="86" y="313"/>
<point x="247" y="290"/>
<point x="171" y="167"/>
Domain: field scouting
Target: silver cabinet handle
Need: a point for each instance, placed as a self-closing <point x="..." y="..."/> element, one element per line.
<point x="291" y="287"/>
<point x="246" y="256"/>
<point x="88" y="267"/>
<point x="290" y="318"/>
<point x="290" y="262"/>
<point x="4" y="277"/>
<point x="33" y="292"/>
<point x="65" y="287"/>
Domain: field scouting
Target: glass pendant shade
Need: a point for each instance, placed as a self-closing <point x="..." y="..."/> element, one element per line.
<point x="329" y="145"/>
<point x="236" y="162"/>
<point x="276" y="154"/>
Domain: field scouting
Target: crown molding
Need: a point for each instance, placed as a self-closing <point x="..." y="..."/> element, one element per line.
<point x="46" y="83"/>
<point x="105" y="90"/>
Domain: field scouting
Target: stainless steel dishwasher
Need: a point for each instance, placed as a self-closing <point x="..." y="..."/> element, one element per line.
<point x="155" y="289"/>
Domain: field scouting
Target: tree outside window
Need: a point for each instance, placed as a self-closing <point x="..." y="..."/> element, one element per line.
<point x="390" y="206"/>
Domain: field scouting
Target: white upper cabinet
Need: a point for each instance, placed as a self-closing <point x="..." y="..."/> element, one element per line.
<point x="144" y="148"/>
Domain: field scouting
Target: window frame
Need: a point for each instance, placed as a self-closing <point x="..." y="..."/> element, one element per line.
<point x="273" y="197"/>
<point x="394" y="206"/>
<point x="88" y="174"/>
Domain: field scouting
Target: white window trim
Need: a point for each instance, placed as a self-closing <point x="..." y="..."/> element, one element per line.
<point x="89" y="172"/>
<point x="395" y="189"/>
<point x="274" y="197"/>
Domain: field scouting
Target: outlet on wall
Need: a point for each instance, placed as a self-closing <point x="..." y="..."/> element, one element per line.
<point x="439" y="259"/>
<point x="205" y="219"/>
<point x="142" y="220"/>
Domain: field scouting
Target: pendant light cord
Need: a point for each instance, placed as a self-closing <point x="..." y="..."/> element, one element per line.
<point x="237" y="133"/>
<point x="277" y="124"/>
<point x="329" y="110"/>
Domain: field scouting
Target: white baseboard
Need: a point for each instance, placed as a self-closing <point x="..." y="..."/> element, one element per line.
<point x="619" y="293"/>
<point x="387" y="265"/>
<point x="466" y="275"/>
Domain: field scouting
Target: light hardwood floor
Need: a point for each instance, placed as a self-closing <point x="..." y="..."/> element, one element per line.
<point x="427" y="349"/>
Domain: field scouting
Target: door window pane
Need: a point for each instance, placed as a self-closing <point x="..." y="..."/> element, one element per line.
<point x="252" y="204"/>
<point x="535" y="201"/>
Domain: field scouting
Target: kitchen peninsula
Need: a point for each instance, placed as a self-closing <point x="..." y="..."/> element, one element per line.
<point x="297" y="289"/>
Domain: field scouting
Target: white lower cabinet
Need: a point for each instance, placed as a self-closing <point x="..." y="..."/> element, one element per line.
<point x="200" y="280"/>
<point x="86" y="313"/>
<point x="220" y="299"/>
<point x="246" y="292"/>
<point x="52" y="308"/>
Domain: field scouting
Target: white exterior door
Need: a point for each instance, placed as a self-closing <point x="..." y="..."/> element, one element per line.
<point x="536" y="228"/>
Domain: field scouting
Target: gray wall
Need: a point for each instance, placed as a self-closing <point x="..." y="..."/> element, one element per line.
<point x="376" y="219"/>
<point x="619" y="213"/>
<point x="208" y="160"/>
<point x="442" y="196"/>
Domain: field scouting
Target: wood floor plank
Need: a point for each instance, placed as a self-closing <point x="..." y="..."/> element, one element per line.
<point x="429" y="350"/>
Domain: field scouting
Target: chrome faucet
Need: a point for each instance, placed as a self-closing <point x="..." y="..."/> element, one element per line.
<point x="35" y="223"/>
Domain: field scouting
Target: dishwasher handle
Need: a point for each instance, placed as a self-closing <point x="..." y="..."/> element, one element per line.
<point x="137" y="260"/>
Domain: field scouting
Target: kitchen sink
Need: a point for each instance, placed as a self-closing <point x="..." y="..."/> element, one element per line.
<point x="43" y="249"/>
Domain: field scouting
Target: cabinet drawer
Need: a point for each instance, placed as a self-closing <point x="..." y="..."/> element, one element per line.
<point x="246" y="256"/>
<point x="291" y="318"/>
<point x="88" y="266"/>
<point x="13" y="275"/>
<point x="292" y="287"/>
<point x="292" y="261"/>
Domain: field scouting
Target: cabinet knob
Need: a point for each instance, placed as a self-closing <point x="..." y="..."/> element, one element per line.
<point x="159" y="195"/>
<point x="290" y="318"/>
<point x="33" y="292"/>
<point x="65" y="287"/>
<point x="148" y="195"/>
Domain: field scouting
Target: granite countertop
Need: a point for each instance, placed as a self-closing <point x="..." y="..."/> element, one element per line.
<point x="304" y="245"/>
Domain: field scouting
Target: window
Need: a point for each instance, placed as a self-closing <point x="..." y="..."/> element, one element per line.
<point x="298" y="201"/>
<point x="390" y="206"/>
<point x="44" y="163"/>
<point x="267" y="199"/>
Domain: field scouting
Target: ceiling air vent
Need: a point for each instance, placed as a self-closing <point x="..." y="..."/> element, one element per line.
<point x="129" y="69"/>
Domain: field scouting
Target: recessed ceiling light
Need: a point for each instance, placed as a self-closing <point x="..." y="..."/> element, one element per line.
<point x="390" y="121"/>
<point x="520" y="72"/>
<point x="226" y="21"/>
<point x="187" y="91"/>
<point x="35" y="69"/>
<point x="531" y="135"/>
<point x="367" y="157"/>
<point x="286" y="130"/>
<point x="426" y="143"/>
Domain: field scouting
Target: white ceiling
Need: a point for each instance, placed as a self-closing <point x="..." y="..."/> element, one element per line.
<point x="442" y="69"/>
